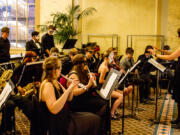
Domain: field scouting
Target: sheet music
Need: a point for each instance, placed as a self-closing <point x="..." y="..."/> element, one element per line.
<point x="109" y="84"/>
<point x="5" y="93"/>
<point x="32" y="63"/>
<point x="157" y="65"/>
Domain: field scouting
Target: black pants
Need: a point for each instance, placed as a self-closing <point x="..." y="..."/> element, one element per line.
<point x="8" y="111"/>
<point x="144" y="86"/>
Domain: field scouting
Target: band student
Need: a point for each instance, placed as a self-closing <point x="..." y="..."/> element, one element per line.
<point x="48" y="40"/>
<point x="21" y="102"/>
<point x="103" y="72"/>
<point x="58" y="119"/>
<point x="144" y="69"/>
<point x="34" y="44"/>
<point x="172" y="56"/>
<point x="4" y="45"/>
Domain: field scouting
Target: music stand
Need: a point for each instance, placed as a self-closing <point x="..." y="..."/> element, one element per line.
<point x="70" y="43"/>
<point x="31" y="72"/>
<point x="106" y="90"/>
<point x="119" y="83"/>
<point x="161" y="68"/>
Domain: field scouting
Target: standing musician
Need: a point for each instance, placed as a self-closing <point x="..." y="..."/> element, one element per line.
<point x="48" y="40"/>
<point x="144" y="69"/>
<point x="34" y="44"/>
<point x="53" y="97"/>
<point x="4" y="45"/>
<point x="89" y="51"/>
<point x="17" y="100"/>
<point x="172" y="56"/>
<point x="103" y="72"/>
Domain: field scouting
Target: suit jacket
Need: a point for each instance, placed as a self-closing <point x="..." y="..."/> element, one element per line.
<point x="31" y="46"/>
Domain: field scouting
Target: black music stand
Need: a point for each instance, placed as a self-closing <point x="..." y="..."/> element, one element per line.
<point x="106" y="90"/>
<point x="119" y="83"/>
<point x="31" y="72"/>
<point x="161" y="68"/>
<point x="70" y="43"/>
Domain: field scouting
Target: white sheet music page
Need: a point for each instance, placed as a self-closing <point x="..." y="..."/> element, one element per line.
<point x="109" y="84"/>
<point x="5" y="93"/>
<point x="157" y="65"/>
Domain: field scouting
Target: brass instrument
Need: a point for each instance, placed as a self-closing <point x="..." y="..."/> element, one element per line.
<point x="6" y="75"/>
<point x="29" y="89"/>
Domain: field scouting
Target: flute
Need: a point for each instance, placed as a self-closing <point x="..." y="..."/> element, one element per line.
<point x="79" y="84"/>
<point x="94" y="82"/>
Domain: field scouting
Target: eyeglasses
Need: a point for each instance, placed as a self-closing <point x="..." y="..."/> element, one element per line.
<point x="90" y="51"/>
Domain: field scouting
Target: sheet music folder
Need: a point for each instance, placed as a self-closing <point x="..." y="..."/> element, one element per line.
<point x="6" y="92"/>
<point x="110" y="83"/>
<point x="157" y="65"/>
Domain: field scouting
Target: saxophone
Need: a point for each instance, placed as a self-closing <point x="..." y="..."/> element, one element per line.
<point x="29" y="89"/>
<point x="6" y="75"/>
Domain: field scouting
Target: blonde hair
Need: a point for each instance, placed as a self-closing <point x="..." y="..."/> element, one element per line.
<point x="49" y="65"/>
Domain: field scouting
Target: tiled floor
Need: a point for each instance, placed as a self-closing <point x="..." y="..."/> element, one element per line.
<point x="140" y="126"/>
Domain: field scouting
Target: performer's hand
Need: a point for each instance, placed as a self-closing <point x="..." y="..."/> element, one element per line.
<point x="37" y="84"/>
<point x="72" y="86"/>
<point x="21" y="90"/>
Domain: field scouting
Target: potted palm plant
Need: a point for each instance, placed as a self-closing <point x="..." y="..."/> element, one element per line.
<point x="63" y="22"/>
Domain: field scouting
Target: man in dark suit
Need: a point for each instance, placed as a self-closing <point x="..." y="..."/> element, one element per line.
<point x="34" y="44"/>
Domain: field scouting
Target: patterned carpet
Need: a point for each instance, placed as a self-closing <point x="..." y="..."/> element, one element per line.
<point x="139" y="126"/>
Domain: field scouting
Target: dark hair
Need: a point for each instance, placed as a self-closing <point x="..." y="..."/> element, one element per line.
<point x="34" y="33"/>
<point x="77" y="62"/>
<point x="5" y="29"/>
<point x="147" y="48"/>
<point x="129" y="50"/>
<point x="51" y="27"/>
<point x="166" y="47"/>
<point x="54" y="50"/>
<point x="50" y="64"/>
<point x="178" y="31"/>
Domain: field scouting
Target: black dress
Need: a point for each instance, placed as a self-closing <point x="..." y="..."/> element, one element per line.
<point x="176" y="82"/>
<point x="67" y="123"/>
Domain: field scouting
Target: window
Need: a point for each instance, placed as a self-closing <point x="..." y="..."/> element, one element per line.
<point x="19" y="16"/>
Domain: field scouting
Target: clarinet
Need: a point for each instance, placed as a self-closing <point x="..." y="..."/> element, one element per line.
<point x="94" y="82"/>
<point x="79" y="84"/>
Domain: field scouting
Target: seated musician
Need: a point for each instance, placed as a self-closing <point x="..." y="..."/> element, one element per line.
<point x="83" y="98"/>
<point x="17" y="100"/>
<point x="144" y="69"/>
<point x="67" y="61"/>
<point x="126" y="64"/>
<point x="53" y="97"/>
<point x="89" y="51"/>
<point x="103" y="72"/>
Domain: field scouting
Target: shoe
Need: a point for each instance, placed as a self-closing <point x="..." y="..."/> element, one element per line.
<point x="175" y="121"/>
<point x="114" y="118"/>
<point x="176" y="126"/>
<point x="151" y="99"/>
<point x="117" y="114"/>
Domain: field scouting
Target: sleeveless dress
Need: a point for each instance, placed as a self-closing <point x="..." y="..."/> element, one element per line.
<point x="57" y="124"/>
<point x="176" y="82"/>
<point x="68" y="123"/>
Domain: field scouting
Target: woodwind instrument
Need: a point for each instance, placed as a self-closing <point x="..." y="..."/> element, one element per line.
<point x="79" y="84"/>
<point x="94" y="81"/>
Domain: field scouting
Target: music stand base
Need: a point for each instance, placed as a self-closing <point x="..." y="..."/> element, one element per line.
<point x="156" y="122"/>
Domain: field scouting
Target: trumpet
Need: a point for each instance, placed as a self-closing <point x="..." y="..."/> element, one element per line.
<point x="79" y="84"/>
<point x="94" y="81"/>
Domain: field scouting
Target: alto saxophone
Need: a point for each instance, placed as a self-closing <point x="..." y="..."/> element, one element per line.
<point x="29" y="89"/>
<point x="6" y="75"/>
